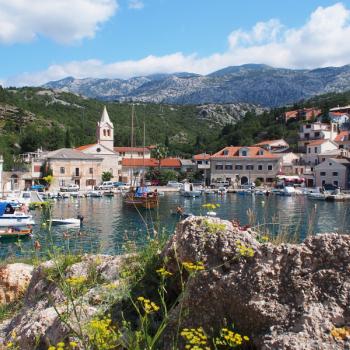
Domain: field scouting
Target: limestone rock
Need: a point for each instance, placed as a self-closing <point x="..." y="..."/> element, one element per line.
<point x="38" y="324"/>
<point x="14" y="280"/>
<point x="284" y="297"/>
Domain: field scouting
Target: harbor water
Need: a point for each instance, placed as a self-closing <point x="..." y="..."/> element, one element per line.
<point x="108" y="224"/>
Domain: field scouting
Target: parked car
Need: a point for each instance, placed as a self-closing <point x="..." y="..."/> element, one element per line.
<point x="174" y="184"/>
<point x="105" y="185"/>
<point x="70" y="188"/>
<point x="38" y="188"/>
<point x="118" y="183"/>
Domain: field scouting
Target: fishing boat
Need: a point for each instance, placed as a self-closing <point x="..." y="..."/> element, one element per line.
<point x="9" y="217"/>
<point x="141" y="197"/>
<point x="22" y="231"/>
<point x="189" y="191"/>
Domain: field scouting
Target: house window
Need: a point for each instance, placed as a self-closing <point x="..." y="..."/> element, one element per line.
<point x="335" y="183"/>
<point x="269" y="167"/>
<point x="219" y="167"/>
<point x="261" y="152"/>
<point x="109" y="132"/>
<point x="76" y="171"/>
<point x="228" y="166"/>
<point x="62" y="170"/>
<point x="249" y="167"/>
<point x="91" y="170"/>
<point x="322" y="173"/>
<point x="244" y="153"/>
<point x="239" y="167"/>
<point x="308" y="126"/>
<point x="260" y="167"/>
<point x="140" y="154"/>
<point x="309" y="150"/>
<point x="104" y="132"/>
<point x="98" y="149"/>
<point x="225" y="153"/>
<point x="315" y="149"/>
<point x="199" y="162"/>
<point x="317" y="134"/>
<point x="335" y="173"/>
<point x="323" y="182"/>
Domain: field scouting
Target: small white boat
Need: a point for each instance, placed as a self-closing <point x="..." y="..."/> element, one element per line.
<point x="9" y="217"/>
<point x="317" y="196"/>
<point x="222" y="190"/>
<point x="288" y="191"/>
<point x="69" y="221"/>
<point x="94" y="194"/>
<point x="211" y="213"/>
<point x="189" y="191"/>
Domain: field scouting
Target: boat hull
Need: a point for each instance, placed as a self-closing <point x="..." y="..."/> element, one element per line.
<point x="142" y="202"/>
<point x="15" y="221"/>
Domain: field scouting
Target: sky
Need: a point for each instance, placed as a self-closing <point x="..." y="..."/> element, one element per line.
<point x="44" y="40"/>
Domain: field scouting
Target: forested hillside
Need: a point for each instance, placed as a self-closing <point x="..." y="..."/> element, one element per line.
<point x="36" y="117"/>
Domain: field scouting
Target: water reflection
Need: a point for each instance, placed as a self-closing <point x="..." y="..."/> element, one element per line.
<point x="108" y="224"/>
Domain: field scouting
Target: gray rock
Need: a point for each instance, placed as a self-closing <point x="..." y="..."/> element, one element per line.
<point x="284" y="297"/>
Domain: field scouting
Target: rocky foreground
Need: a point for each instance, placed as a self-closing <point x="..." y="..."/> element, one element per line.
<point x="282" y="296"/>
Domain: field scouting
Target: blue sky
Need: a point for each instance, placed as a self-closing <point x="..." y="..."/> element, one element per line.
<point x="43" y="40"/>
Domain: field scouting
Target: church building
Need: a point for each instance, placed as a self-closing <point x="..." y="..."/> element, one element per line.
<point x="104" y="148"/>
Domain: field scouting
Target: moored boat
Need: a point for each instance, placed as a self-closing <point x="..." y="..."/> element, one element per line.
<point x="22" y="231"/>
<point x="141" y="197"/>
<point x="9" y="217"/>
<point x="188" y="190"/>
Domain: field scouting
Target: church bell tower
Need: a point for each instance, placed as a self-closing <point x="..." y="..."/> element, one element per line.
<point x="105" y="130"/>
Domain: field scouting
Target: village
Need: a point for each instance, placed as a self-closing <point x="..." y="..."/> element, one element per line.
<point x="322" y="160"/>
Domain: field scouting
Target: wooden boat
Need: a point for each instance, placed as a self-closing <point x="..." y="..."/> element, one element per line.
<point x="16" y="231"/>
<point x="149" y="200"/>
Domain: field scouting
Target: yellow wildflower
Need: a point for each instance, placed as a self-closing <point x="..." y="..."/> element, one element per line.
<point x="73" y="344"/>
<point x="163" y="272"/>
<point x="148" y="305"/>
<point x="193" y="267"/>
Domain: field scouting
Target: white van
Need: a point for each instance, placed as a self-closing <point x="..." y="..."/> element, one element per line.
<point x="106" y="185"/>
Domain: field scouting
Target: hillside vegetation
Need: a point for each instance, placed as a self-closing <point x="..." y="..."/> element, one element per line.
<point x="36" y="117"/>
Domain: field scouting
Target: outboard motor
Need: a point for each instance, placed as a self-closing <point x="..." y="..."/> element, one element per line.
<point x="81" y="218"/>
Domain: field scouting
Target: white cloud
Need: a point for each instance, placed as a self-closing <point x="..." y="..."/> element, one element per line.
<point x="64" y="21"/>
<point x="321" y="41"/>
<point x="136" y="4"/>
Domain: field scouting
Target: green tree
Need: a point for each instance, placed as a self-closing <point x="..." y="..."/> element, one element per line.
<point x="160" y="152"/>
<point x="68" y="139"/>
<point x="107" y="176"/>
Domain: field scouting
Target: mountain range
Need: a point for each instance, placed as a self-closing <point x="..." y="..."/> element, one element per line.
<point x="252" y="83"/>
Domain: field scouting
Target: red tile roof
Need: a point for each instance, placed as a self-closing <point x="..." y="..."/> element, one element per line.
<point x="82" y="148"/>
<point x="151" y="162"/>
<point x="317" y="142"/>
<point x="131" y="149"/>
<point x="343" y="136"/>
<point x="253" y="152"/>
<point x="202" y="156"/>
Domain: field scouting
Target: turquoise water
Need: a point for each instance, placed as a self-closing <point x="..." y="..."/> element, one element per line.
<point x="108" y="224"/>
